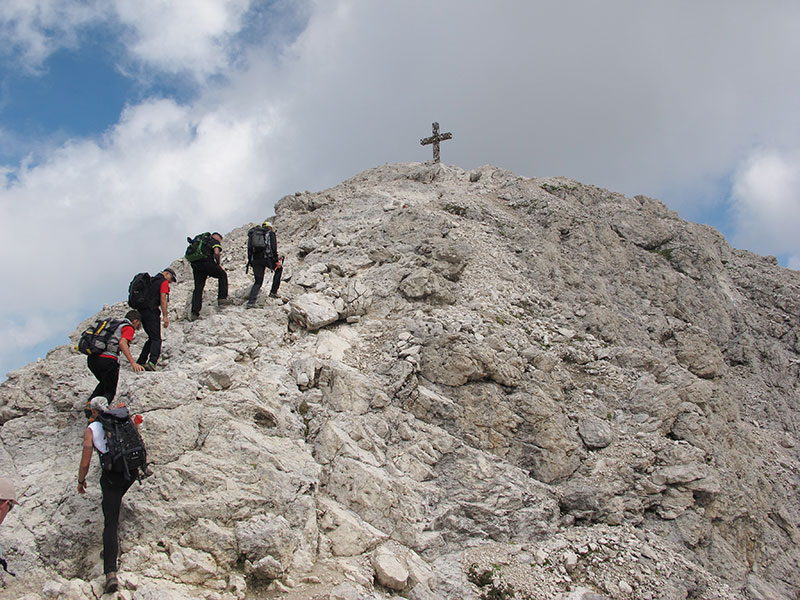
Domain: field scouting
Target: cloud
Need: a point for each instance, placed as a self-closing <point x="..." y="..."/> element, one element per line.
<point x="34" y="29"/>
<point x="638" y="99"/>
<point x="766" y="203"/>
<point x="198" y="38"/>
<point x="182" y="36"/>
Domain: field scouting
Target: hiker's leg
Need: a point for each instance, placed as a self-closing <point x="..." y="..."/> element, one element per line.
<point x="114" y="489"/>
<point x="145" y="349"/>
<point x="221" y="275"/>
<point x="200" y="277"/>
<point x="91" y="362"/>
<point x="223" y="285"/>
<point x="111" y="379"/>
<point x="276" y="280"/>
<point x="151" y="323"/>
<point x="258" y="272"/>
<point x="107" y="372"/>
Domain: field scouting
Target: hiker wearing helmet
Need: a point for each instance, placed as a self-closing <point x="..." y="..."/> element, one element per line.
<point x="152" y="313"/>
<point x="113" y="484"/>
<point x="207" y="264"/>
<point x="8" y="498"/>
<point x="262" y="254"/>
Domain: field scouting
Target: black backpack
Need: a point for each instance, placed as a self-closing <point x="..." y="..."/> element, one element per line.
<point x="144" y="291"/>
<point x="258" y="242"/>
<point x="126" y="452"/>
<point x="200" y="247"/>
<point x="139" y="291"/>
<point x="95" y="339"/>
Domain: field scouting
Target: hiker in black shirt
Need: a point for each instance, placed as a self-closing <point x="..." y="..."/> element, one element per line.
<point x="151" y="318"/>
<point x="209" y="266"/>
<point x="262" y="259"/>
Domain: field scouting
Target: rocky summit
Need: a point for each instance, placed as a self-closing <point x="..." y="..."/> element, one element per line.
<point x="475" y="385"/>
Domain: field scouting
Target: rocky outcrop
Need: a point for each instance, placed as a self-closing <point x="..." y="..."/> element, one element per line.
<point x="476" y="382"/>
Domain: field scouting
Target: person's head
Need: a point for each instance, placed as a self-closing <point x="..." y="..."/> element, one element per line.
<point x="135" y="318"/>
<point x="267" y="224"/>
<point x="169" y="274"/>
<point x="8" y="497"/>
<point x="98" y="404"/>
<point x="217" y="236"/>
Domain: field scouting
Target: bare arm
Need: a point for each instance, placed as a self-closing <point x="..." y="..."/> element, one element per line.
<point x="86" y="460"/>
<point x="124" y="346"/>
<point x="164" y="298"/>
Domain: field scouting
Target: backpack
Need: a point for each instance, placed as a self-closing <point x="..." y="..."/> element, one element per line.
<point x="200" y="247"/>
<point x="144" y="291"/>
<point x="258" y="242"/>
<point x="96" y="338"/>
<point x="139" y="291"/>
<point x="126" y="452"/>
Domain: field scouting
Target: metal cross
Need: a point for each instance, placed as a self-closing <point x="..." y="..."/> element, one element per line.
<point x="435" y="139"/>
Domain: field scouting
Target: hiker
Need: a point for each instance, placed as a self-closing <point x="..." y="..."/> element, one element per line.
<point x="8" y="498"/>
<point x="157" y="300"/>
<point x="208" y="264"/>
<point x="113" y="484"/>
<point x="262" y="254"/>
<point x="105" y="366"/>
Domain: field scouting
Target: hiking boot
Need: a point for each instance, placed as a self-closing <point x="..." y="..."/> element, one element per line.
<point x="194" y="316"/>
<point x="150" y="366"/>
<point x="248" y="305"/>
<point x="224" y="302"/>
<point x="111" y="583"/>
<point x="274" y="296"/>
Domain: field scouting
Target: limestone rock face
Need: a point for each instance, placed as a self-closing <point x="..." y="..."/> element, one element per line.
<point x="474" y="381"/>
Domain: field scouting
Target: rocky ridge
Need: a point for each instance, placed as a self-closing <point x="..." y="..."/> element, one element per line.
<point x="479" y="385"/>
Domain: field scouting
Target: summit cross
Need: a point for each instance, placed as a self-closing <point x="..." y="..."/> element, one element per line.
<point x="435" y="139"/>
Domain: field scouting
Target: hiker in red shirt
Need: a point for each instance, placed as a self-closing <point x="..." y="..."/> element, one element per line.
<point x="151" y="316"/>
<point x="105" y="366"/>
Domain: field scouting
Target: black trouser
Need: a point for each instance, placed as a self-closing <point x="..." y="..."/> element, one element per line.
<point x="151" y="323"/>
<point x="258" y="271"/>
<point x="107" y="372"/>
<point x="114" y="486"/>
<point x="202" y="270"/>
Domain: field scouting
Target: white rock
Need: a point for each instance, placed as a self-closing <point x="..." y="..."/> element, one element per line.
<point x="390" y="571"/>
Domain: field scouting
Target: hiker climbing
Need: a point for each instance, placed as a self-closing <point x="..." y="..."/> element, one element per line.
<point x="103" y="343"/>
<point x="205" y="255"/>
<point x="150" y="296"/>
<point x="262" y="254"/>
<point x="114" y="436"/>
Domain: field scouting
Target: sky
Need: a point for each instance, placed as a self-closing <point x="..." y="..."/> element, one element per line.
<point x="126" y="125"/>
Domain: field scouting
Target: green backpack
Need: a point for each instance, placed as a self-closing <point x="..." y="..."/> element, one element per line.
<point x="200" y="247"/>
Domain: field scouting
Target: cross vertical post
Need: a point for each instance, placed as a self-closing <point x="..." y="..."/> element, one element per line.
<point x="435" y="139"/>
